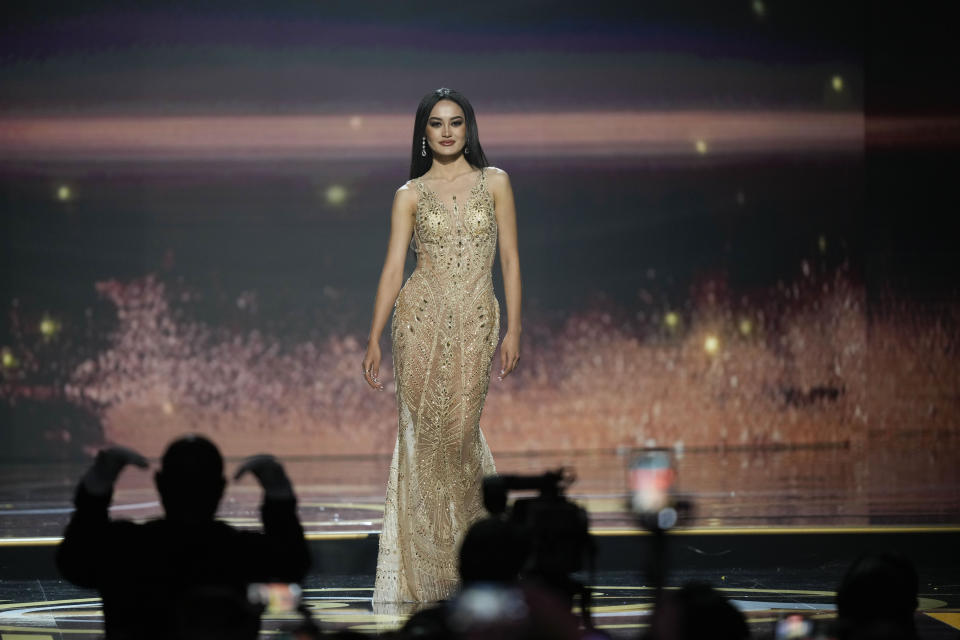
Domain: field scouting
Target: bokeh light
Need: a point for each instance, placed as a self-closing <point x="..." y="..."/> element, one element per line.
<point x="837" y="83"/>
<point x="759" y="8"/>
<point x="671" y="319"/>
<point x="745" y="326"/>
<point x="336" y="194"/>
<point x="64" y="193"/>
<point x="711" y="344"/>
<point x="356" y="122"/>
<point x="49" y="327"/>
<point x="9" y="360"/>
<point x="822" y="243"/>
<point x="701" y="146"/>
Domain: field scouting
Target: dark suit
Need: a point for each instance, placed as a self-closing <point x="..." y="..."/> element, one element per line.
<point x="169" y="579"/>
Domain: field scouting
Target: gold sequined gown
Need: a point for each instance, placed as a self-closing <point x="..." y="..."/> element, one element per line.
<point x="445" y="329"/>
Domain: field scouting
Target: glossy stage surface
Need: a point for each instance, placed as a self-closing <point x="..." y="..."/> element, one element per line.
<point x="41" y="609"/>
<point x="829" y="486"/>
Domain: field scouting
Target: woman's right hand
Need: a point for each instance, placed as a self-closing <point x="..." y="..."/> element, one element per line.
<point x="371" y="366"/>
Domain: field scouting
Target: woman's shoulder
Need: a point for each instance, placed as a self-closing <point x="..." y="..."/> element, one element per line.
<point x="408" y="187"/>
<point x="407" y="192"/>
<point x="496" y="178"/>
<point x="496" y="174"/>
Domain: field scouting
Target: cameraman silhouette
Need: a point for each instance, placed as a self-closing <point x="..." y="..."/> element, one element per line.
<point x="184" y="575"/>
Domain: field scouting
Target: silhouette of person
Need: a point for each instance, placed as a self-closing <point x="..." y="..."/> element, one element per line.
<point x="493" y="550"/>
<point x="493" y="602"/>
<point x="184" y="575"/>
<point x="696" y="611"/>
<point x="877" y="598"/>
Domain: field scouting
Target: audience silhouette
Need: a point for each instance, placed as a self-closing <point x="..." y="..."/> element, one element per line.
<point x="493" y="602"/>
<point x="184" y="575"/>
<point x="493" y="551"/>
<point x="697" y="611"/>
<point x="877" y="598"/>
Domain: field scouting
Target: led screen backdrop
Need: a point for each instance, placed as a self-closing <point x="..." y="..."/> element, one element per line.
<point x="196" y="206"/>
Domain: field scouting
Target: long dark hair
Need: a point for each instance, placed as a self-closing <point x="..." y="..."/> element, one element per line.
<point x="420" y="164"/>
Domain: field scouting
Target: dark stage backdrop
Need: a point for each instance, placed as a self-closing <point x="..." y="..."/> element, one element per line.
<point x="718" y="247"/>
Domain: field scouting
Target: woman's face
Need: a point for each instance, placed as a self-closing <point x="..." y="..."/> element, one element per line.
<point x="446" y="129"/>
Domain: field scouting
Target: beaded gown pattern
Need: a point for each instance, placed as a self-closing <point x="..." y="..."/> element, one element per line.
<point x="445" y="329"/>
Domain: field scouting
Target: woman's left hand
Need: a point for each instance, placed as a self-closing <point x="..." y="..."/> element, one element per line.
<point x="509" y="354"/>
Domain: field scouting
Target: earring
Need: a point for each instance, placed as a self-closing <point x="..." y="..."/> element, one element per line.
<point x="466" y="149"/>
<point x="423" y="146"/>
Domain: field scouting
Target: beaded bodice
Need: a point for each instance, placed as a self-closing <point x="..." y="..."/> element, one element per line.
<point x="456" y="243"/>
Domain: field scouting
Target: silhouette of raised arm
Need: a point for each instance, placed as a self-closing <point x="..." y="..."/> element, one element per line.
<point x="269" y="473"/>
<point x="101" y="477"/>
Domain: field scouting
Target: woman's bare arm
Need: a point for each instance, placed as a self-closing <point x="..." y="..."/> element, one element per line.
<point x="391" y="278"/>
<point x="510" y="265"/>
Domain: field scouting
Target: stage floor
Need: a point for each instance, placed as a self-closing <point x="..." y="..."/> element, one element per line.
<point x="774" y="528"/>
<point x="821" y="486"/>
<point x="44" y="609"/>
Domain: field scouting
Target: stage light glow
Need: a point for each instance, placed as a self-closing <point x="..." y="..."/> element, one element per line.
<point x="356" y="122"/>
<point x="9" y="360"/>
<point x="759" y="8"/>
<point x="671" y="319"/>
<point x="648" y="133"/>
<point x="746" y="326"/>
<point x="822" y="243"/>
<point x="64" y="193"/>
<point x="49" y="327"/>
<point x="837" y="83"/>
<point x="711" y="344"/>
<point x="701" y="146"/>
<point x="336" y="194"/>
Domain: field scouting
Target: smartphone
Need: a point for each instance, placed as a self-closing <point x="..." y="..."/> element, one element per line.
<point x="275" y="597"/>
<point x="652" y="476"/>
<point x="793" y="626"/>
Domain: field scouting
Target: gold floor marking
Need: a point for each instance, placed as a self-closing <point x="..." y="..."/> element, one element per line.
<point x="366" y="506"/>
<point x="30" y="542"/>
<point x="336" y="536"/>
<point x="952" y="619"/>
<point x="43" y="603"/>
<point x="343" y="523"/>
<point x="91" y="612"/>
<point x="780" y="530"/>
<point x="18" y="632"/>
<point x="316" y="605"/>
<point x="633" y="625"/>
<point x="802" y="592"/>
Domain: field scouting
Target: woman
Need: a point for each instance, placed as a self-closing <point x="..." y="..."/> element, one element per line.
<point x="445" y="327"/>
